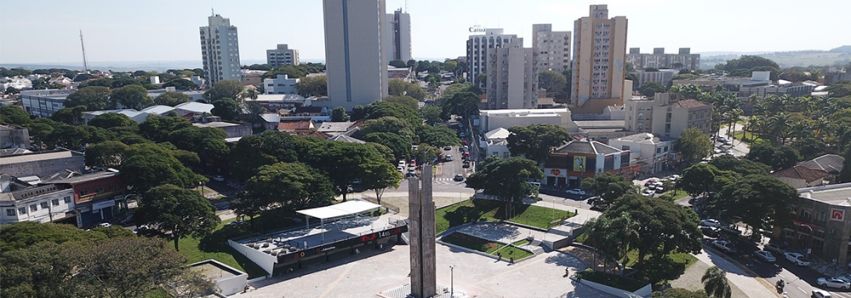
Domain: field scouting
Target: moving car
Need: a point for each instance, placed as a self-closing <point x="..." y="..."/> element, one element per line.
<point x="219" y="178"/>
<point x="575" y="192"/>
<point x="820" y="294"/>
<point x="458" y="177"/>
<point x="833" y="282"/>
<point x="709" y="231"/>
<point x="466" y="164"/>
<point x="724" y="246"/>
<point x="447" y="157"/>
<point x="709" y="222"/>
<point x="796" y="258"/>
<point x="765" y="256"/>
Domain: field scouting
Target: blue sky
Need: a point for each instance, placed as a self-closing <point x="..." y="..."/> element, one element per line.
<point x="46" y="31"/>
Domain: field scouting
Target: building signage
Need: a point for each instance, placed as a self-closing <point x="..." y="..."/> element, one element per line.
<point x="555" y="172"/>
<point x="476" y="29"/>
<point x="837" y="214"/>
<point x="103" y="204"/>
<point x="579" y="163"/>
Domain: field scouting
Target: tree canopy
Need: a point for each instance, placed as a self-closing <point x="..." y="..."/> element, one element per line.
<point x="92" y="98"/>
<point x="171" y="99"/>
<point x="693" y="145"/>
<point x="776" y="157"/>
<point x="506" y="178"/>
<point x="312" y="86"/>
<point x="290" y="186"/>
<point x="178" y="211"/>
<point x="131" y="97"/>
<point x="535" y="141"/>
<point x="438" y="136"/>
<point x="226" y="108"/>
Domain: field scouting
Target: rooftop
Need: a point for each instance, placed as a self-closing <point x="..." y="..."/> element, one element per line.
<point x="834" y="194"/>
<point x="335" y="126"/>
<point x="522" y="112"/>
<point x="295" y="125"/>
<point x="499" y="133"/>
<point x="214" y="270"/>
<point x="600" y="124"/>
<point x="830" y="163"/>
<point x="592" y="147"/>
<point x="78" y="178"/>
<point x="31" y="157"/>
<point x="690" y="104"/>
<point x="344" y="209"/>
<point x="802" y="172"/>
<point x="158" y="109"/>
<point x="195" y="107"/>
<point x="217" y="124"/>
<point x="641" y="138"/>
<point x="346" y="139"/>
<point x="271" y="117"/>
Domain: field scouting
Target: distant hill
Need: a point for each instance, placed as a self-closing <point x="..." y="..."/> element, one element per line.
<point x="840" y="55"/>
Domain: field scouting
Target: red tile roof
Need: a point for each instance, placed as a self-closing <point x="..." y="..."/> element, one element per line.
<point x="801" y="172"/>
<point x="296" y="125"/>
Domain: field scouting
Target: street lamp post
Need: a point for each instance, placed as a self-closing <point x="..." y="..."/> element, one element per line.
<point x="451" y="281"/>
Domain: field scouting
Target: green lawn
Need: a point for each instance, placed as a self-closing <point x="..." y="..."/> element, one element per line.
<point x="488" y="210"/>
<point x="489" y="247"/>
<point x="520" y="242"/>
<point x="674" y="195"/>
<point x="747" y="137"/>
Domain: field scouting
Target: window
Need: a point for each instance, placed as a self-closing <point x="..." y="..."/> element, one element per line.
<point x="10" y="212"/>
<point x="22" y="210"/>
<point x="55" y="202"/>
<point x="67" y="199"/>
<point x="33" y="208"/>
<point x="44" y="205"/>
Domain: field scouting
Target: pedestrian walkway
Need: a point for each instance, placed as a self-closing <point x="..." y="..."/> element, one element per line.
<point x="741" y="278"/>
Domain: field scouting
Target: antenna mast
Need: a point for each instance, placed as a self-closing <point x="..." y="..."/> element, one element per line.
<point x="83" y="46"/>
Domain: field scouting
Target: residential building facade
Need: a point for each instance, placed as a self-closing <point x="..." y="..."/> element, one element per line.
<point x="97" y="195"/>
<point x="568" y="164"/>
<point x="663" y="77"/>
<point x="512" y="81"/>
<point x="43" y="103"/>
<point x="280" y="84"/>
<point x="552" y="48"/>
<point x="477" y="51"/>
<point x="356" y="69"/>
<point x="599" y="49"/>
<point x="647" y="151"/>
<point x="220" y="50"/>
<point x="666" y="115"/>
<point x="397" y="37"/>
<point x="20" y="201"/>
<point x="496" y="143"/>
<point x="682" y="60"/>
<point x="282" y="55"/>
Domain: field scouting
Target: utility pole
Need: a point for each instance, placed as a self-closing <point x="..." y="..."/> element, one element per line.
<point x="83" y="46"/>
<point x="451" y="281"/>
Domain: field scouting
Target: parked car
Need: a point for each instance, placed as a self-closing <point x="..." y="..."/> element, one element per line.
<point x="709" y="222"/>
<point x="710" y="231"/>
<point x="447" y="157"/>
<point x="833" y="282"/>
<point x="820" y="294"/>
<point x="724" y="246"/>
<point x="447" y="148"/>
<point x="772" y="247"/>
<point x="796" y="258"/>
<point x="575" y="192"/>
<point x="764" y="256"/>
<point x="660" y="189"/>
<point x="651" y="187"/>
<point x="103" y="224"/>
<point x="647" y="192"/>
<point x="458" y="177"/>
<point x="675" y="177"/>
<point x="466" y="164"/>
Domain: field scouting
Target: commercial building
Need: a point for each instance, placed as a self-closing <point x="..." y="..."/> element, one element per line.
<point x="21" y="201"/>
<point x="683" y="59"/>
<point x="599" y="51"/>
<point x="282" y="55"/>
<point x="220" y="50"/>
<point x="822" y="224"/>
<point x="663" y="77"/>
<point x="42" y="164"/>
<point x="477" y="51"/>
<point x="14" y="137"/>
<point x="97" y="195"/>
<point x="512" y="82"/>
<point x="493" y="119"/>
<point x="650" y="153"/>
<point x="568" y="164"/>
<point x="354" y="52"/>
<point x="397" y="37"/>
<point x="43" y="103"/>
<point x="496" y="143"/>
<point x="552" y="48"/>
<point x="280" y="84"/>
<point x="666" y="115"/>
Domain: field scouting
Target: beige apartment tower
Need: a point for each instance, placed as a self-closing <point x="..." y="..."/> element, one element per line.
<point x="552" y="48"/>
<point x="599" y="53"/>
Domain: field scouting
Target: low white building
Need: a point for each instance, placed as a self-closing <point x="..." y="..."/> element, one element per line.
<point x="648" y="151"/>
<point x="228" y="280"/>
<point x="493" y="119"/>
<point x="281" y="84"/>
<point x="21" y="201"/>
<point x="136" y="116"/>
<point x="18" y="82"/>
<point x="496" y="143"/>
<point x="43" y="103"/>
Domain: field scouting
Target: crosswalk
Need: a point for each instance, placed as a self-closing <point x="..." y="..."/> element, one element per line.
<point x="445" y="181"/>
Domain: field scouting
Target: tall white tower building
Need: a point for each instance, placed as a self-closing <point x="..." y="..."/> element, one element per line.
<point x="599" y="54"/>
<point x="398" y="36"/>
<point x="512" y="81"/>
<point x="220" y="50"/>
<point x="356" y="66"/>
<point x="477" y="51"/>
<point x="552" y="48"/>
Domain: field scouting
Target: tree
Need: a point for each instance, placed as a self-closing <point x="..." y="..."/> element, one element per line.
<point x="845" y="174"/>
<point x="72" y="116"/>
<point x="226" y="108"/>
<point x="507" y="178"/>
<point x="379" y="176"/>
<point x="680" y="293"/>
<point x="650" y="89"/>
<point x="744" y="65"/>
<point x="609" y="187"/>
<point x="252" y="152"/>
<point x="741" y="166"/>
<point x="208" y="143"/>
<point x="698" y="179"/>
<point x="181" y="84"/>
<point x="292" y="71"/>
<point x="403" y="100"/>
<point x="291" y="186"/>
<point x="437" y="136"/>
<point x="338" y="114"/>
<point x="131" y="97"/>
<point x="179" y="211"/>
<point x="463" y="104"/>
<point x="555" y="83"/>
<point x="760" y="201"/>
<point x="425" y="153"/>
<point x="158" y="128"/>
<point x="776" y="157"/>
<point x="693" y="145"/>
<point x="398" y="87"/>
<point x="92" y="98"/>
<point x="344" y="163"/>
<point x="431" y="114"/>
<point x="392" y="109"/>
<point x="312" y="86"/>
<point x="109" y="154"/>
<point x="389" y="124"/>
<point x="223" y="89"/>
<point x="715" y="283"/>
<point x="112" y="120"/>
<point x="14" y="115"/>
<point x="399" y="144"/>
<point x="535" y="141"/>
<point x="171" y="99"/>
<point x="150" y="165"/>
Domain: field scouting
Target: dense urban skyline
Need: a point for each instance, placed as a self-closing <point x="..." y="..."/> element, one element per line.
<point x="166" y="31"/>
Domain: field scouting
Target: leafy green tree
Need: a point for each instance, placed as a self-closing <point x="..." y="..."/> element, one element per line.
<point x="291" y="186"/>
<point x="359" y="112"/>
<point x="555" y="83"/>
<point x="179" y="211"/>
<point x="109" y="154"/>
<point x="92" y="98"/>
<point x="226" y="108"/>
<point x="715" y="283"/>
<point x="699" y="179"/>
<point x="72" y="115"/>
<point x="112" y="120"/>
<point x="171" y="98"/>
<point x="379" y="176"/>
<point x="14" y="115"/>
<point x="292" y="71"/>
<point x="693" y="145"/>
<point x="609" y="187"/>
<point x="151" y="165"/>
<point x="158" y="128"/>
<point x="431" y="114"/>
<point x="312" y="86"/>
<point x="252" y="152"/>
<point x="338" y="114"/>
<point x="741" y="166"/>
<point x="463" y="104"/>
<point x="22" y="235"/>
<point x="535" y="141"/>
<point x="760" y="201"/>
<point x="344" y="163"/>
<point x="391" y="109"/>
<point x="744" y="65"/>
<point x="845" y="174"/>
<point x="776" y="157"/>
<point x="507" y="178"/>
<point x="181" y="84"/>
<point x="438" y="136"/>
<point x="223" y="89"/>
<point x="403" y="100"/>
<point x="208" y="143"/>
<point x="425" y="153"/>
<point x="650" y="89"/>
<point x="131" y="97"/>
<point x="398" y="87"/>
<point x="389" y="124"/>
<point x="399" y="144"/>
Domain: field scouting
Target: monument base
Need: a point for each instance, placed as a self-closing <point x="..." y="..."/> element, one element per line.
<point x="405" y="292"/>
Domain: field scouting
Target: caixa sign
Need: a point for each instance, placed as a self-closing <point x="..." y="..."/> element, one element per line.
<point x="476" y="29"/>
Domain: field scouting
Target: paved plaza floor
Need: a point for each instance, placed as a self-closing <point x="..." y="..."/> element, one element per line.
<point x="372" y="272"/>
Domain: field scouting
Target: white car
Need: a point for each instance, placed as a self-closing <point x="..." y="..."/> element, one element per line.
<point x="796" y="258"/>
<point x="709" y="222"/>
<point x="765" y="256"/>
<point x="820" y="294"/>
<point x="575" y="192"/>
<point x="647" y="192"/>
<point x="833" y="282"/>
<point x="724" y="245"/>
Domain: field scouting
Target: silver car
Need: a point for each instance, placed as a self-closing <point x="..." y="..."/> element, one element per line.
<point x="833" y="282"/>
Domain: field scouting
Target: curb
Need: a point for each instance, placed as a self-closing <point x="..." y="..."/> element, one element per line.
<point x="759" y="278"/>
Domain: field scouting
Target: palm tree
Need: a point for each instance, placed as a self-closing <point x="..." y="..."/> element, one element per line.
<point x="715" y="283"/>
<point x="626" y="234"/>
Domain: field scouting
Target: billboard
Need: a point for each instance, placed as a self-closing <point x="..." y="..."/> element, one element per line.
<point x="579" y="163"/>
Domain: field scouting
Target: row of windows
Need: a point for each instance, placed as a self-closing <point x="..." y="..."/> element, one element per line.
<point x="35" y="207"/>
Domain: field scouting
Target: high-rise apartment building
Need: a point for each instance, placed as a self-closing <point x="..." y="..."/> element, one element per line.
<point x="512" y="81"/>
<point x="552" y="48"/>
<point x="220" y="50"/>
<point x="599" y="51"/>
<point x="356" y="67"/>
<point x="683" y="59"/>
<point x="397" y="37"/>
<point x="477" y="46"/>
<point x="282" y="55"/>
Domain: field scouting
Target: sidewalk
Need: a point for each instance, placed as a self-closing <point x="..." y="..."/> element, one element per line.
<point x="745" y="280"/>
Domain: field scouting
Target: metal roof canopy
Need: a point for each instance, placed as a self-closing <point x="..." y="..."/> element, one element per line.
<point x="340" y="210"/>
